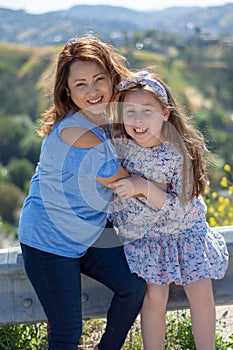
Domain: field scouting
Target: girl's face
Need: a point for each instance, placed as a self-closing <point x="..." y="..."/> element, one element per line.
<point x="90" y="87"/>
<point x="143" y="117"/>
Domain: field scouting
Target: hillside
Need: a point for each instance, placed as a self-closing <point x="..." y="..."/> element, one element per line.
<point x="201" y="78"/>
<point x="111" y="22"/>
<point x="23" y="77"/>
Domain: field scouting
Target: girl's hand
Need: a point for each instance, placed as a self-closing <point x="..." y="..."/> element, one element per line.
<point x="130" y="187"/>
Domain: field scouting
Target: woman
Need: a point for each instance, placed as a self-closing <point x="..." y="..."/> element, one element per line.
<point x="62" y="226"/>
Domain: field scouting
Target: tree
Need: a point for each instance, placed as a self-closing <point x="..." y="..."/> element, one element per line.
<point x="3" y="174"/>
<point x="10" y="201"/>
<point x="12" y="131"/>
<point x="20" y="171"/>
<point x="30" y="146"/>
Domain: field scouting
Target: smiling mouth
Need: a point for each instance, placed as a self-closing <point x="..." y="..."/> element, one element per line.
<point x="95" y="102"/>
<point x="140" y="131"/>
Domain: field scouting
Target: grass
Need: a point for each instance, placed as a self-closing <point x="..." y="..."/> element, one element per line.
<point x="178" y="335"/>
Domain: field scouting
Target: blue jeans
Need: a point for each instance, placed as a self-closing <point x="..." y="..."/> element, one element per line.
<point x="57" y="282"/>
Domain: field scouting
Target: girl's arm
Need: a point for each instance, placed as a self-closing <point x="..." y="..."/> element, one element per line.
<point x="166" y="198"/>
<point x="138" y="186"/>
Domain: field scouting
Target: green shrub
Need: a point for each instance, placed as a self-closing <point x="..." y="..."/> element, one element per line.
<point x="24" y="337"/>
<point x="220" y="205"/>
<point x="179" y="335"/>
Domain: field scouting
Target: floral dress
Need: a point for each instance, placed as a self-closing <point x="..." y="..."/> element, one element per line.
<point x="171" y="244"/>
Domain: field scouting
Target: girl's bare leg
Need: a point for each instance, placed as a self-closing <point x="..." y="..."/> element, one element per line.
<point x="202" y="306"/>
<point x="153" y="316"/>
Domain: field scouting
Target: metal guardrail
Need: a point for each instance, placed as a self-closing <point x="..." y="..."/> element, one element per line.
<point x="19" y="303"/>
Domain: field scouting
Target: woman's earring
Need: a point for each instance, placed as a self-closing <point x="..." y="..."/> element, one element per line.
<point x="68" y="94"/>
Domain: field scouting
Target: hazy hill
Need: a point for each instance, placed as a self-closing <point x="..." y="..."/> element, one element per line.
<point x="20" y="27"/>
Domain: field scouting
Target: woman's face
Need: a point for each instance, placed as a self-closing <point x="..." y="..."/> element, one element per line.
<point x="90" y="87"/>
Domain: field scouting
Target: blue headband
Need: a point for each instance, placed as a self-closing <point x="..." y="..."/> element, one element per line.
<point x="144" y="78"/>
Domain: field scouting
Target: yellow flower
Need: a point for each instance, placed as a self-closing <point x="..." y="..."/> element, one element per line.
<point x="227" y="168"/>
<point x="214" y="195"/>
<point x="224" y="182"/>
<point x="230" y="190"/>
<point x="211" y="210"/>
<point x="207" y="190"/>
<point x="221" y="208"/>
<point x="221" y="200"/>
<point x="212" y="222"/>
<point x="226" y="223"/>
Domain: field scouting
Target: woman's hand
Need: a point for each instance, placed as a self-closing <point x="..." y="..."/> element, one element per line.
<point x="130" y="187"/>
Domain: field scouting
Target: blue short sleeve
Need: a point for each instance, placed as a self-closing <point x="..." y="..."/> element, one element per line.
<point x="99" y="161"/>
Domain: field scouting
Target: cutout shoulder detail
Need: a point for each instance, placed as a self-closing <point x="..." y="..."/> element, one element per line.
<point x="80" y="137"/>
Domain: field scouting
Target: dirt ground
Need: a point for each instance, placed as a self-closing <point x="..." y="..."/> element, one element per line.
<point x="224" y="320"/>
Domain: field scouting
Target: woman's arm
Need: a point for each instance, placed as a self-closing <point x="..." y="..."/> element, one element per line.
<point x="83" y="138"/>
<point x="120" y="175"/>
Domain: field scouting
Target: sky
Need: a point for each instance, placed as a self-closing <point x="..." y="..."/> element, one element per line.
<point x="42" y="6"/>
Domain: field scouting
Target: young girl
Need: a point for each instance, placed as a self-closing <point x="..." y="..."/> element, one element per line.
<point x="159" y="212"/>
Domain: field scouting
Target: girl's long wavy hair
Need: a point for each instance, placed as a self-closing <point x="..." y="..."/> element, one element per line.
<point x="88" y="48"/>
<point x="179" y="130"/>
